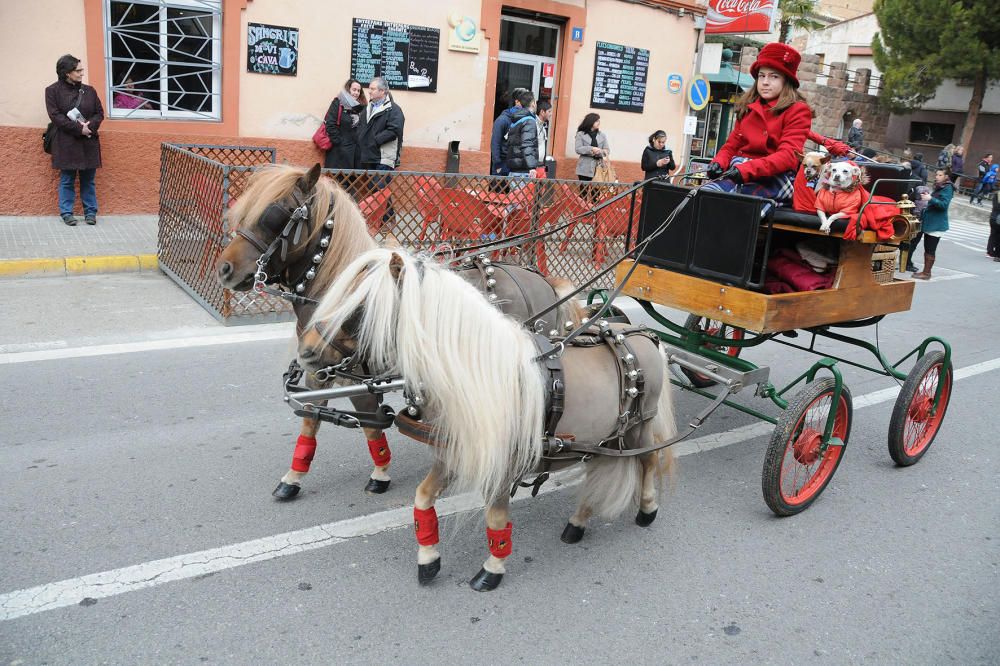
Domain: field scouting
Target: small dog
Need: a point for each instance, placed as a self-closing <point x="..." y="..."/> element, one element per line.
<point x="839" y="193"/>
<point x="812" y="164"/>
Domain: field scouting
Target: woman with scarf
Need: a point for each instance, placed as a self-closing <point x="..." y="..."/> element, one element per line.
<point x="341" y="121"/>
<point x="592" y="146"/>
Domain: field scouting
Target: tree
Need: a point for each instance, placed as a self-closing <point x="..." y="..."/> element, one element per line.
<point x="797" y="14"/>
<point x="923" y="42"/>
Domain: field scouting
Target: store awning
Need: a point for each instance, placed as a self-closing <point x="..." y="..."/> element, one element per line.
<point x="728" y="75"/>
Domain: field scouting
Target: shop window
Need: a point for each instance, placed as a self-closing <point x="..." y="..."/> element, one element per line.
<point x="164" y="59"/>
<point x="935" y="134"/>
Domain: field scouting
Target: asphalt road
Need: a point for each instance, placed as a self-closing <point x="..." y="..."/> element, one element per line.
<point x="154" y="460"/>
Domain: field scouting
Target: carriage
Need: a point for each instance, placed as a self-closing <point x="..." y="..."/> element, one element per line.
<point x="488" y="353"/>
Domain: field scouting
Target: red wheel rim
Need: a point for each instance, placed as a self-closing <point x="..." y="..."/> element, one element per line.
<point x="731" y="333"/>
<point x="806" y="468"/>
<point x="921" y="422"/>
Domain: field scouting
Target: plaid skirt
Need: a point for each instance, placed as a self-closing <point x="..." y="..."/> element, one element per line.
<point x="777" y="187"/>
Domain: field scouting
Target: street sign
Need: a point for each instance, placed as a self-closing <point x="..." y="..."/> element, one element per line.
<point x="675" y="82"/>
<point x="577" y="34"/>
<point x="699" y="92"/>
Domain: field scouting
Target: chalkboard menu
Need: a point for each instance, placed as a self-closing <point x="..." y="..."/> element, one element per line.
<point x="619" y="77"/>
<point x="405" y="55"/>
<point x="272" y="49"/>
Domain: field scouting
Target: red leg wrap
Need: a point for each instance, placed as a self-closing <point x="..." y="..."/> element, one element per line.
<point x="379" y="448"/>
<point x="499" y="541"/>
<point x="305" y="448"/>
<point x="425" y="522"/>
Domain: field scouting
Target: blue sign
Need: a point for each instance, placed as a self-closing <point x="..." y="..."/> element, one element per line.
<point x="577" y="34"/>
<point x="675" y="82"/>
<point x="699" y="93"/>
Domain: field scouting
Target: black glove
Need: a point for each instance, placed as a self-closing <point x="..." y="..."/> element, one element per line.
<point x="733" y="174"/>
<point x="714" y="170"/>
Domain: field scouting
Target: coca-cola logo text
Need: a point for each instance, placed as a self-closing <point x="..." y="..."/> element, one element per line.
<point x="741" y="7"/>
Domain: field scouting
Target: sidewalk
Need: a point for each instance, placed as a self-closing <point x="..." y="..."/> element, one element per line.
<point x="32" y="246"/>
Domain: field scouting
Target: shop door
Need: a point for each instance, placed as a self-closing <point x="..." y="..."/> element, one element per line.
<point x="527" y="59"/>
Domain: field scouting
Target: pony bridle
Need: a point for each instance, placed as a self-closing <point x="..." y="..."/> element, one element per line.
<point x="290" y="236"/>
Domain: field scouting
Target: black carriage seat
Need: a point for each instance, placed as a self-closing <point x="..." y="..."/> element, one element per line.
<point x="884" y="180"/>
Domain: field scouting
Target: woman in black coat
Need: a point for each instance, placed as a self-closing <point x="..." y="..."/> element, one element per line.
<point x="341" y="122"/>
<point x="657" y="160"/>
<point x="76" y="114"/>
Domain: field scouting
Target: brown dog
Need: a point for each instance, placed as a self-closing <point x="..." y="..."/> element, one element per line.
<point x="812" y="163"/>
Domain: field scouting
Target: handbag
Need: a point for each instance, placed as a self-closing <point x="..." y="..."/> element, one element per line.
<point x="320" y="137"/>
<point x="605" y="172"/>
<point x="47" y="137"/>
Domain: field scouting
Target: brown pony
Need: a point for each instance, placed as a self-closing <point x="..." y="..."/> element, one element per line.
<point x="333" y="233"/>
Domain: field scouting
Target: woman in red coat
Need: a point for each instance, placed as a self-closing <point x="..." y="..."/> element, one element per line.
<point x="773" y="122"/>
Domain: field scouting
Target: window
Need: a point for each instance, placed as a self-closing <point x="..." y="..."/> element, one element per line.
<point x="935" y="134"/>
<point x="164" y="59"/>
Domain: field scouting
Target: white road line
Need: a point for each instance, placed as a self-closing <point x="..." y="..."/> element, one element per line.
<point x="228" y="337"/>
<point x="72" y="591"/>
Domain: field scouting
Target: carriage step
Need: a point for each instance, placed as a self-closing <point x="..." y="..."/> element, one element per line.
<point x="735" y="380"/>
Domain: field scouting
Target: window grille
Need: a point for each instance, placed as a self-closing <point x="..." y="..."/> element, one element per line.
<point x="164" y="59"/>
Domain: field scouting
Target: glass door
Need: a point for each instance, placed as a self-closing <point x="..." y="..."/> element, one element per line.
<point x="513" y="72"/>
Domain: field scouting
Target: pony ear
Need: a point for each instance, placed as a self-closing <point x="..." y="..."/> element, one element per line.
<point x="309" y="179"/>
<point x="396" y="267"/>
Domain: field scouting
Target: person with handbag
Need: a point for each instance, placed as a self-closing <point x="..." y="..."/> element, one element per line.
<point x="75" y="114"/>
<point x="591" y="144"/>
<point x="341" y="126"/>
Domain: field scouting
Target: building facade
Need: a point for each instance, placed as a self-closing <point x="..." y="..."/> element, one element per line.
<point x="260" y="72"/>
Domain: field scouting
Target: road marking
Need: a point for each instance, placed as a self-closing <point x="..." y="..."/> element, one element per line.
<point x="72" y="591"/>
<point x="259" y="333"/>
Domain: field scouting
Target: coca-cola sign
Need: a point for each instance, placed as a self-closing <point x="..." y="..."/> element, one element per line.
<point x="740" y="16"/>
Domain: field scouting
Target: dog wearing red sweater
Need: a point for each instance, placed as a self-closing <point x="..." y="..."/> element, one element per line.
<point x="840" y="194"/>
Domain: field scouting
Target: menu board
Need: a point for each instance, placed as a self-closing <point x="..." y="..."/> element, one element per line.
<point x="272" y="49"/>
<point x="619" y="77"/>
<point x="405" y="55"/>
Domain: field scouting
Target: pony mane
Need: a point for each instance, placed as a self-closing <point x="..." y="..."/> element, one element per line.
<point x="274" y="182"/>
<point x="474" y="367"/>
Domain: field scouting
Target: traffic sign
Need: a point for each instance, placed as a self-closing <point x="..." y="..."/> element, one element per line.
<point x="699" y="92"/>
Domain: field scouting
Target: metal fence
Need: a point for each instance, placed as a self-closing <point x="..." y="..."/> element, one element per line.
<point x="423" y="211"/>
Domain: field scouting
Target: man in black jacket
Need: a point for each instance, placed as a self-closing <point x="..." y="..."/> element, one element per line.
<point x="522" y="138"/>
<point x="380" y="137"/>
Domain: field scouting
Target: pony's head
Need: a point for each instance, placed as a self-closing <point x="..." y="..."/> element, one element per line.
<point x="297" y="201"/>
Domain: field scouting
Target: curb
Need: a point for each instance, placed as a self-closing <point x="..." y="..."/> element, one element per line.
<point x="67" y="266"/>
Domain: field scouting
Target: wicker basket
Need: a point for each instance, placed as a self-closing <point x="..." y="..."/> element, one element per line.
<point x="884" y="263"/>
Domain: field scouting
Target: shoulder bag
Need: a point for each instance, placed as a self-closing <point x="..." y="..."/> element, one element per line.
<point x="320" y="137"/>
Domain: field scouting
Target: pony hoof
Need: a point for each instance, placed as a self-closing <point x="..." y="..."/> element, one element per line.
<point x="286" y="491"/>
<point x="427" y="572"/>
<point x="484" y="581"/>
<point x="572" y="534"/>
<point x="376" y="487"/>
<point x="643" y="519"/>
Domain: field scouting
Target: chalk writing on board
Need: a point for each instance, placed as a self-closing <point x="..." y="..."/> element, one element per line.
<point x="405" y="55"/>
<point x="272" y="49"/>
<point x="619" y="77"/>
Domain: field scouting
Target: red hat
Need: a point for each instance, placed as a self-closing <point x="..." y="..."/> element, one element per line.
<point x="780" y="57"/>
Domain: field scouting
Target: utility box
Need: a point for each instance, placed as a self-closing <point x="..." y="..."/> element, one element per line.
<point x="454" y="159"/>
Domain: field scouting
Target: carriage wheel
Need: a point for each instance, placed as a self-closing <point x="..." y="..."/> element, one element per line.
<point x="717" y="329"/>
<point x="796" y="467"/>
<point x="913" y="426"/>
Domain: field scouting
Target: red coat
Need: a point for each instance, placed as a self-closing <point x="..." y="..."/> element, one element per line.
<point x="773" y="142"/>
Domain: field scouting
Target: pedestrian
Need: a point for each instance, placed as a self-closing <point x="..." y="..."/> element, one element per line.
<point x="544" y="112"/>
<point x="982" y="169"/>
<point x="856" y="135"/>
<point x="944" y="157"/>
<point x="591" y="145"/>
<point x="867" y="155"/>
<point x="657" y="160"/>
<point x="993" y="244"/>
<point x="990" y="181"/>
<point x="76" y="114"/>
<point x="498" y="139"/>
<point x="935" y="219"/>
<point x="957" y="164"/>
<point x="380" y="137"/>
<point x="918" y="170"/>
<point x="919" y="206"/>
<point x="762" y="153"/>
<point x="342" y="121"/>
<point x="522" y="139"/>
